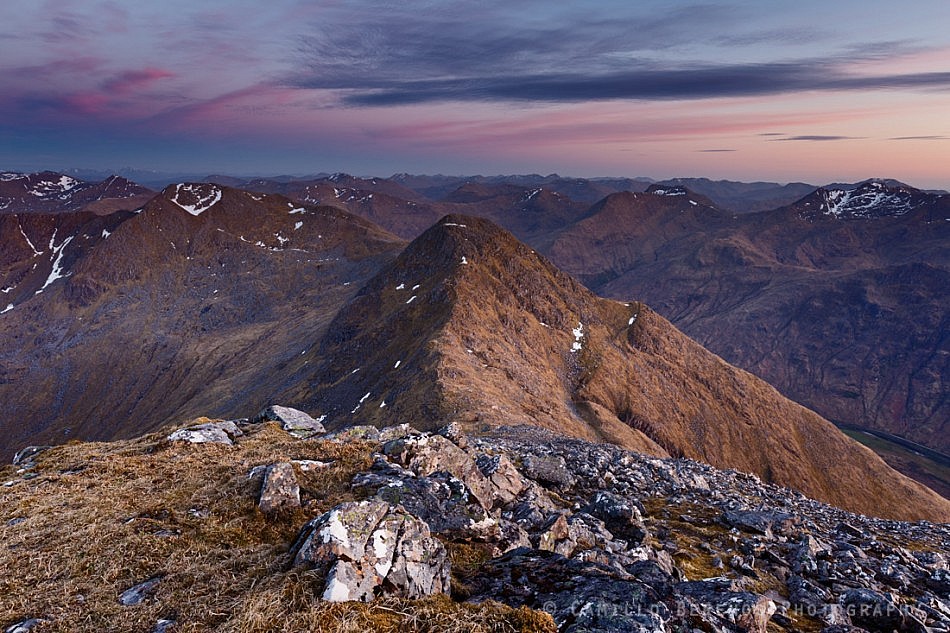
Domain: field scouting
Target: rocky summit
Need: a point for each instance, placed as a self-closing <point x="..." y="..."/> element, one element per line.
<point x="367" y="529"/>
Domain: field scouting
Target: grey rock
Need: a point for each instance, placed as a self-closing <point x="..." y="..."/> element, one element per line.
<point x="389" y="433"/>
<point x="352" y="433"/>
<point x="427" y="454"/>
<point x="26" y="457"/>
<point x="136" y="594"/>
<point x="368" y="549"/>
<point x="280" y="491"/>
<point x="24" y="626"/>
<point x="506" y="481"/>
<point x="550" y="469"/>
<point x="164" y="626"/>
<point x="294" y="421"/>
<point x="620" y="516"/>
<point x="208" y="433"/>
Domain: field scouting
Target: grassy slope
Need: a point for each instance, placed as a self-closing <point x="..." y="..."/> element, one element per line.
<point x="925" y="470"/>
<point x="100" y="518"/>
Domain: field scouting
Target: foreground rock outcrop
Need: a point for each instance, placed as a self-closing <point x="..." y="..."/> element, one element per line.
<point x="520" y="525"/>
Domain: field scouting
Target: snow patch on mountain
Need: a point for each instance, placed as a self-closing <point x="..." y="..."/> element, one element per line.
<point x="57" y="272"/>
<point x="206" y="196"/>
<point x="872" y="199"/>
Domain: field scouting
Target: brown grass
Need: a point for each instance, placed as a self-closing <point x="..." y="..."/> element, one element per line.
<point x="100" y="518"/>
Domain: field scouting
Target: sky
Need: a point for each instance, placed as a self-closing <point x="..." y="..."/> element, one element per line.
<point x="813" y="90"/>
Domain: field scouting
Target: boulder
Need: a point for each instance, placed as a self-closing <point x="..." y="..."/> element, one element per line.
<point x="26" y="457"/>
<point x="223" y="432"/>
<point x="504" y="477"/>
<point x="295" y="422"/>
<point x="369" y="549"/>
<point x="280" y="490"/>
<point x="736" y="609"/>
<point x="427" y="454"/>
<point x="364" y="432"/>
<point x="548" y="469"/>
<point x="759" y="522"/>
<point x="621" y="517"/>
<point x="137" y="593"/>
<point x="24" y="626"/>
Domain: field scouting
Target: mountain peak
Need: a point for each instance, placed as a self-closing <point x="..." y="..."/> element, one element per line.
<point x="469" y="325"/>
<point x="870" y="199"/>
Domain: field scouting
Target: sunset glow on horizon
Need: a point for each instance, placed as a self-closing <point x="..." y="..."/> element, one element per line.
<point x="810" y="91"/>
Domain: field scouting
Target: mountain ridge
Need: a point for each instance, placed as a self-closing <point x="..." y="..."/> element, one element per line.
<point x="470" y="325"/>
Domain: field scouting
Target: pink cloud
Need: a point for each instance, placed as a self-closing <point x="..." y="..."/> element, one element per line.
<point x="133" y="80"/>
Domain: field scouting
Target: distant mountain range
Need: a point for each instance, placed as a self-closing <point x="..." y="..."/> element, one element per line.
<point x="209" y="299"/>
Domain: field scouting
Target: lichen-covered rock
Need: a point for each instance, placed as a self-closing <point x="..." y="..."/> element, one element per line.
<point x="221" y="432"/>
<point x="761" y="522"/>
<point x="550" y="469"/>
<point x="427" y="454"/>
<point x="369" y="549"/>
<point x="359" y="432"/>
<point x="621" y="516"/>
<point x="504" y="477"/>
<point x="280" y="490"/>
<point x="294" y="421"/>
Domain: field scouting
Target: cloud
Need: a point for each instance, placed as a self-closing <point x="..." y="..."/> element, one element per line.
<point x="133" y="80"/>
<point x="714" y="151"/>
<point x="819" y="138"/>
<point x="920" y="138"/>
<point x="495" y="54"/>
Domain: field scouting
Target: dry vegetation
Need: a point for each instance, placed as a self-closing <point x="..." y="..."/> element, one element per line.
<point x="97" y="519"/>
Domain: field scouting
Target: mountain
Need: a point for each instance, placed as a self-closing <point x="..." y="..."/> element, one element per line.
<point x="469" y="325"/>
<point x="202" y="302"/>
<point x="870" y="199"/>
<point x="744" y="197"/>
<point x="580" y="189"/>
<point x="530" y="212"/>
<point x="52" y="192"/>
<point x="839" y="299"/>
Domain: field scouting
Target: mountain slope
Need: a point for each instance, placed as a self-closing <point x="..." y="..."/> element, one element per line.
<point x="200" y="303"/>
<point x="842" y="306"/>
<point x="470" y="325"/>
